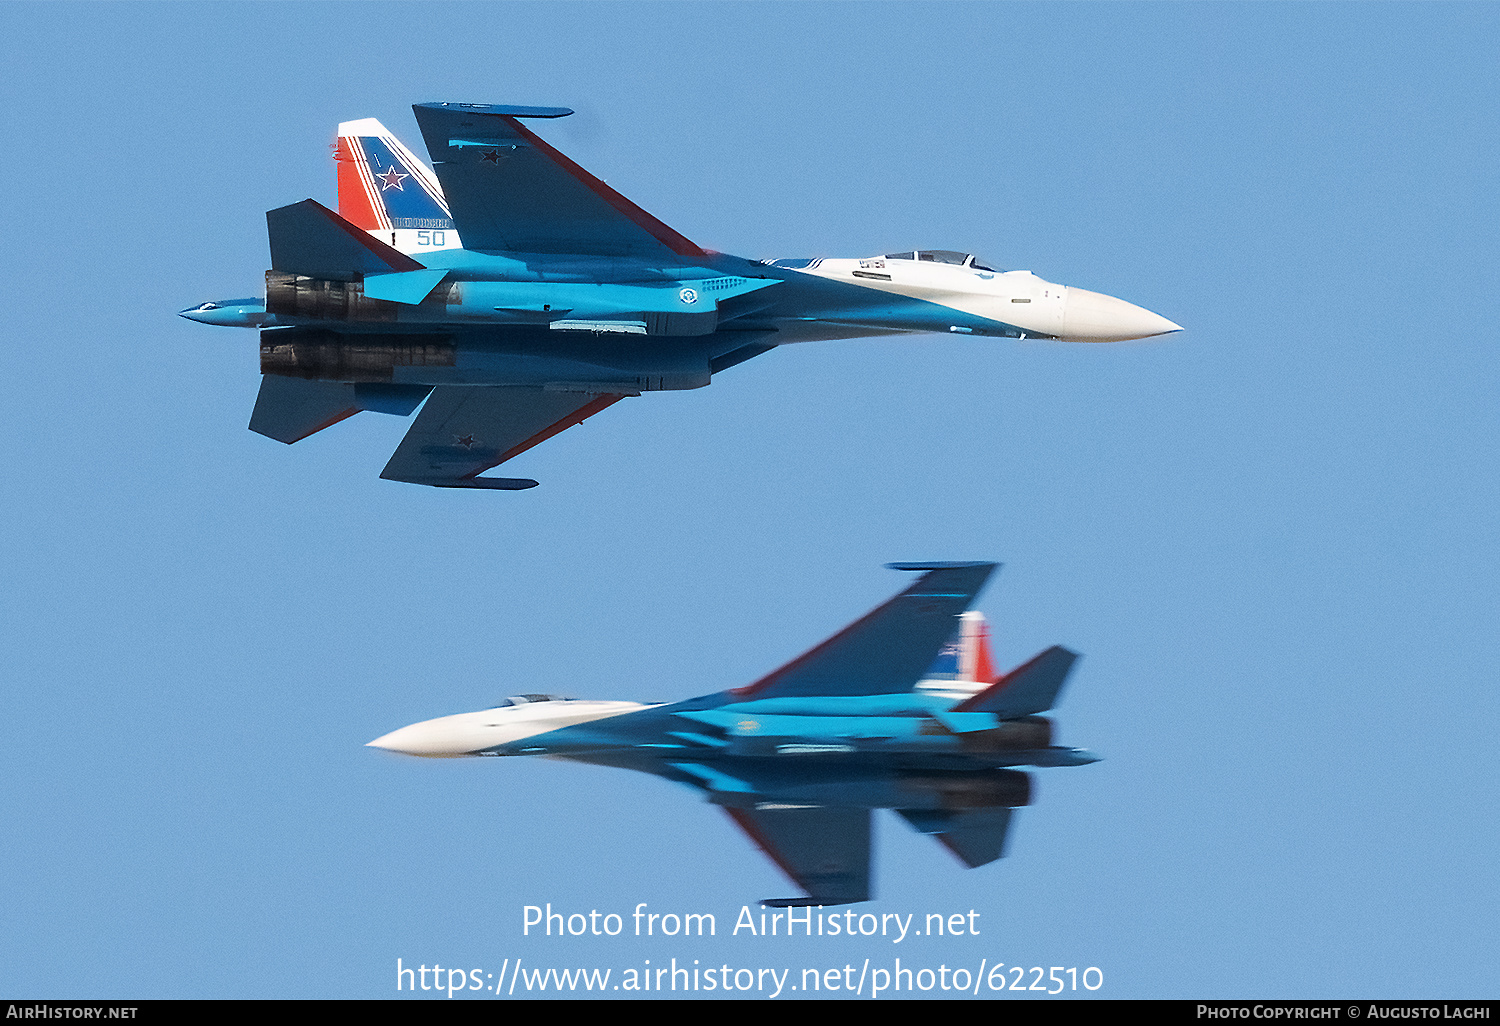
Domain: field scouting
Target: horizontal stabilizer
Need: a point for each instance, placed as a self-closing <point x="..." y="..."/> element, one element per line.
<point x="1029" y="689"/>
<point x="886" y="651"/>
<point x="290" y="409"/>
<point x="976" y="836"/>
<point x="826" y="851"/>
<point x="467" y="429"/>
<point x="309" y="239"/>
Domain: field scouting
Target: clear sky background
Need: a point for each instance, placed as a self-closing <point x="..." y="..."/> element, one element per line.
<point x="1273" y="536"/>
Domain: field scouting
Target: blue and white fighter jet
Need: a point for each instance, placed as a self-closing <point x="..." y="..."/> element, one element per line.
<point x="543" y="296"/>
<point x="879" y="716"/>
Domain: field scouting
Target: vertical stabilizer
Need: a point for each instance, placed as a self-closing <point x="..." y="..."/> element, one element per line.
<point x="389" y="192"/>
<point x="964" y="666"/>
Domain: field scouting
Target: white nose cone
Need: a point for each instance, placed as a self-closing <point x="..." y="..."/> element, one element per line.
<point x="1095" y="317"/>
<point x="443" y="738"/>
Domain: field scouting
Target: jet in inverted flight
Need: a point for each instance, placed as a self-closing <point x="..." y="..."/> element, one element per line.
<point x="892" y="712"/>
<point x="511" y="294"/>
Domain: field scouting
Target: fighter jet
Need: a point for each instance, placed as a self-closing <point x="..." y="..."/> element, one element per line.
<point x="879" y="716"/>
<point x="543" y="296"/>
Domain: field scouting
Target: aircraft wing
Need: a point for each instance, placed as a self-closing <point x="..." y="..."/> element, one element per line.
<point x="466" y="429"/>
<point x="826" y="851"/>
<point x="507" y="189"/>
<point x="886" y="651"/>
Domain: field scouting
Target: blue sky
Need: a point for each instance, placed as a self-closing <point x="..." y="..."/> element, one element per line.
<point x="1273" y="536"/>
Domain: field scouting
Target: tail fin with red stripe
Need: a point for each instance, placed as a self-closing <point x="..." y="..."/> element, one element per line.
<point x="389" y="192"/>
<point x="965" y="664"/>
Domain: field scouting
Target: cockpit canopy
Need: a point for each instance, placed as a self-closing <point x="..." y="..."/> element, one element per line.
<point x="945" y="256"/>
<point x="531" y="700"/>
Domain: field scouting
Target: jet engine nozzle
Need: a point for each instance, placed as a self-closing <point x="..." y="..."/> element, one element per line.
<point x="1001" y="788"/>
<point x="1012" y="735"/>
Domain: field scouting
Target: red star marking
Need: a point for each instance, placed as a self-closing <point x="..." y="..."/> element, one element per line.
<point x="392" y="180"/>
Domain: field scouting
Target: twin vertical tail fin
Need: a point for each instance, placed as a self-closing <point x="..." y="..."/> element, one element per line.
<point x="390" y="193"/>
<point x="965" y="663"/>
<point x="965" y="667"/>
<point x="390" y="206"/>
